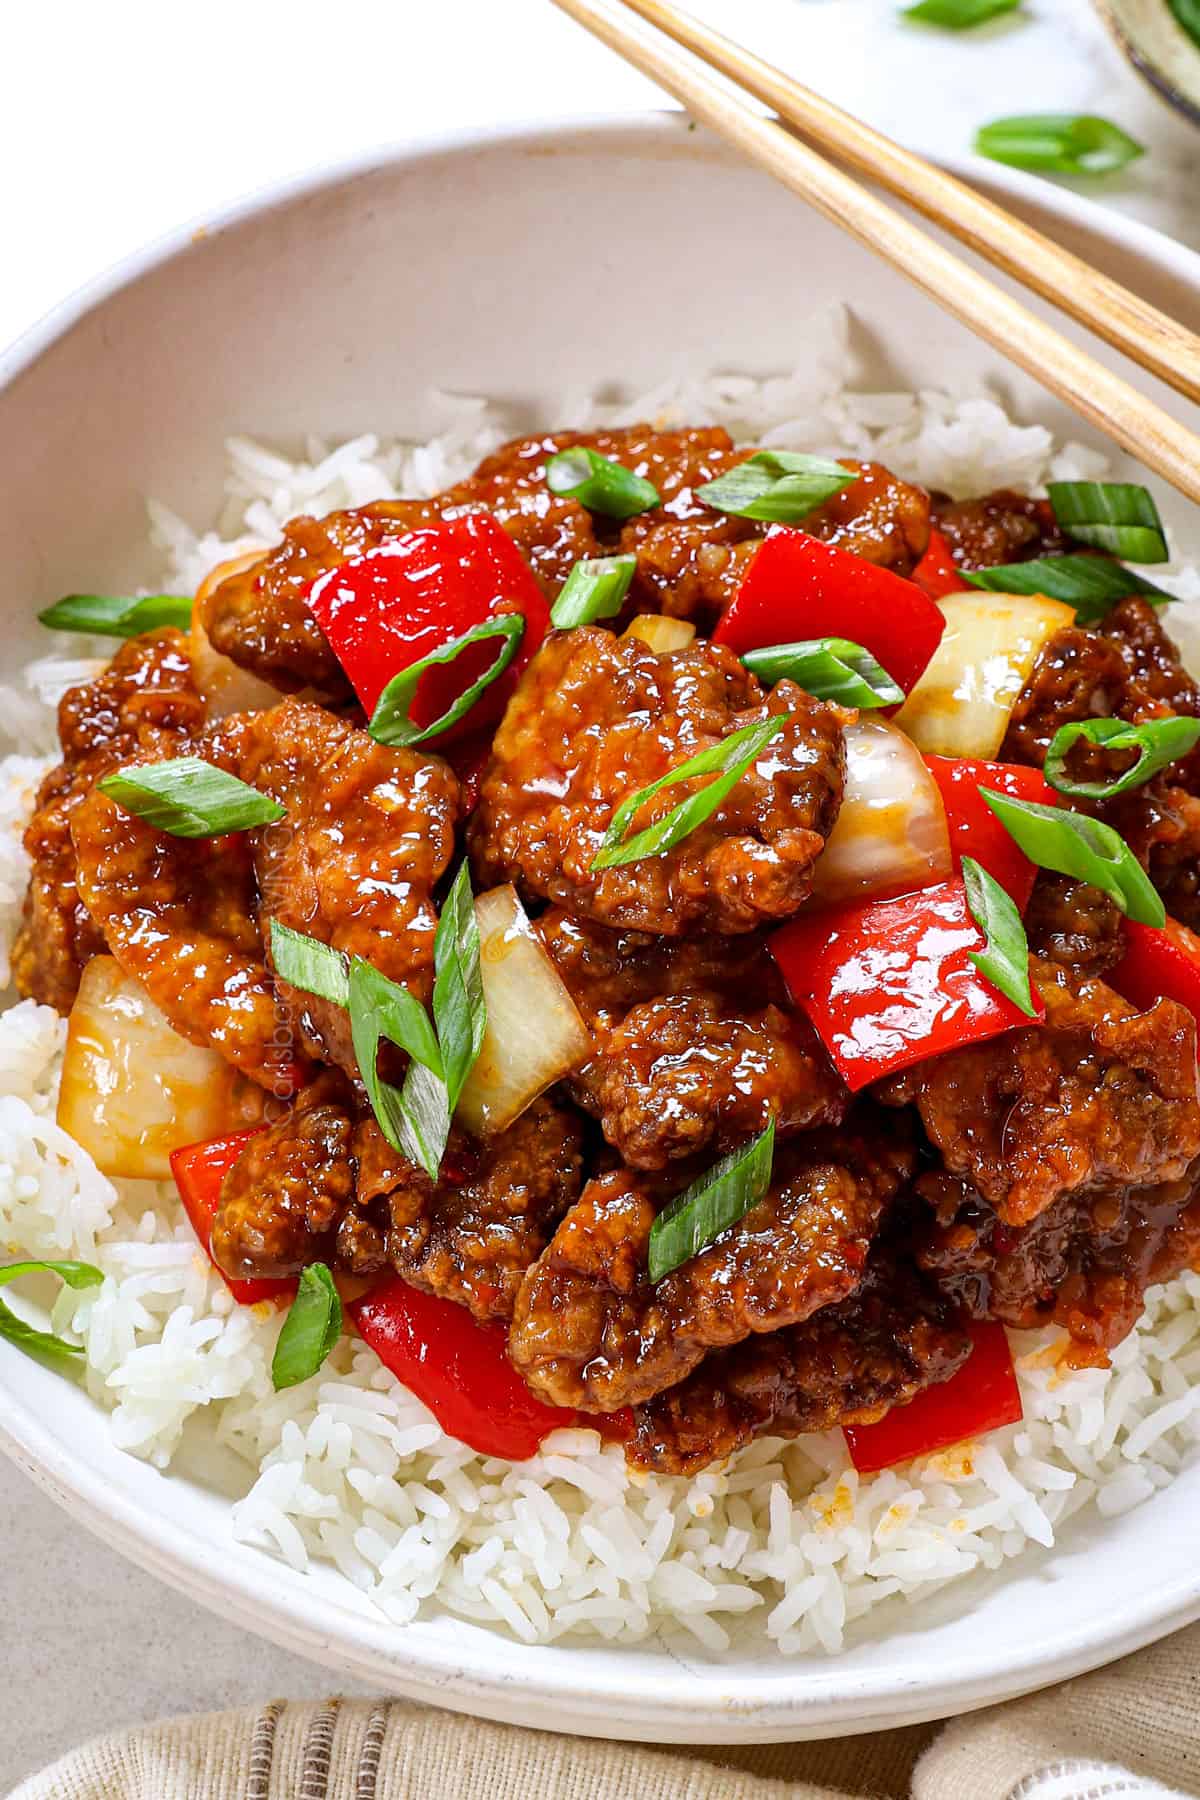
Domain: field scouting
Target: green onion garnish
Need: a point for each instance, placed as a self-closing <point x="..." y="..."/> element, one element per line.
<point x="55" y="1352"/>
<point x="390" y="723"/>
<point x="1072" y="844"/>
<point x="829" y="668"/>
<point x="1188" y="14"/>
<point x="415" y="1118"/>
<point x="311" y="1329"/>
<point x="1061" y="143"/>
<point x="600" y="484"/>
<point x="711" y="1204"/>
<point x="1118" y="516"/>
<point x="1005" y="960"/>
<point x="308" y="964"/>
<point x="190" y="798"/>
<point x="958" y="15"/>
<point x="778" y="486"/>
<point x="1091" y="584"/>
<point x="595" y="589"/>
<point x="117" y="615"/>
<point x="459" y="1006"/>
<point x="1157" y="741"/>
<point x="728" y="760"/>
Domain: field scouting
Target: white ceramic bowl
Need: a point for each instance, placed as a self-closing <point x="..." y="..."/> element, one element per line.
<point x="514" y="264"/>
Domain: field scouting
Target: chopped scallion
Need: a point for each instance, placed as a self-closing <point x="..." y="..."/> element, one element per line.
<point x="414" y="1118"/>
<point x="1117" y="516"/>
<point x="600" y="484"/>
<point x="311" y="1329"/>
<point x="306" y="963"/>
<point x="1091" y="584"/>
<point x="776" y="486"/>
<point x="1059" y="143"/>
<point x="1158" y="743"/>
<point x="459" y="1006"/>
<point x="1072" y="844"/>
<point x="958" y="15"/>
<point x="595" y="589"/>
<point x="1005" y="960"/>
<point x="829" y="669"/>
<point x="728" y="761"/>
<point x="118" y="615"/>
<point x="714" y="1202"/>
<point x="55" y="1352"/>
<point x="390" y="722"/>
<point x="190" y="798"/>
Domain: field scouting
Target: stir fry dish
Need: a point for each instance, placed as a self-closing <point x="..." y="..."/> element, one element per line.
<point x="682" y="939"/>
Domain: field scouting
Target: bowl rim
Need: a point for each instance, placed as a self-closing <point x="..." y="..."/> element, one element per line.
<point x="472" y="1673"/>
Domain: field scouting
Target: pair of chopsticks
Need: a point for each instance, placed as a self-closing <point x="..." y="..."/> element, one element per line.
<point x="1149" y="337"/>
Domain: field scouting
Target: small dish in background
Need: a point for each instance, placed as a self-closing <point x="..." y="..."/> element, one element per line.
<point x="1162" y="52"/>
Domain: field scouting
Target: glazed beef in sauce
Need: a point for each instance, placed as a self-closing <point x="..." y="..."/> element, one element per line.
<point x="1047" y="1175"/>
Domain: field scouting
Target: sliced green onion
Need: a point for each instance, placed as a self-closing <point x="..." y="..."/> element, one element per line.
<point x="958" y="15"/>
<point x="728" y="760"/>
<point x="415" y="1118"/>
<point x="390" y="723"/>
<point x="829" y="668"/>
<point x="459" y="1006"/>
<point x="1158" y="742"/>
<point x="1118" y="516"/>
<point x="1072" y="844"/>
<point x="600" y="484"/>
<point x="595" y="589"/>
<point x="311" y="1329"/>
<point x="306" y="963"/>
<point x="117" y="615"/>
<point x="190" y="798"/>
<point x="1188" y="14"/>
<point x="1091" y="584"/>
<point x="1005" y="960"/>
<point x="711" y="1204"/>
<point x="55" y="1352"/>
<point x="1061" y="143"/>
<point x="778" y="486"/>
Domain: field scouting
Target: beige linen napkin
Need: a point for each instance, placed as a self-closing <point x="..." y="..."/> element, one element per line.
<point x="1131" y="1731"/>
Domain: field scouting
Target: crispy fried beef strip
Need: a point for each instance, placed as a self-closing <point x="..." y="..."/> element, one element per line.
<point x="846" y="1365"/>
<point x="368" y="832"/>
<point x="144" y="703"/>
<point x="1097" y="1099"/>
<point x="589" y="1328"/>
<point x="597" y="718"/>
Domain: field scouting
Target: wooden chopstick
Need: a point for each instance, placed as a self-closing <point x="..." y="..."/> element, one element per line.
<point x="1136" y="423"/>
<point x="1149" y="337"/>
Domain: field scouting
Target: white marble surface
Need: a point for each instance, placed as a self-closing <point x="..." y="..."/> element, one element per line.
<point x="121" y="120"/>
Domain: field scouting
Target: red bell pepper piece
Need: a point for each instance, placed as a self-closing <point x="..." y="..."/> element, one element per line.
<point x="458" y="1367"/>
<point x="199" y="1170"/>
<point x="937" y="573"/>
<point x="385" y="610"/>
<point x="1159" y="964"/>
<point x="979" y="1397"/>
<point x="974" y="828"/>
<point x="887" y="983"/>
<point x="797" y="587"/>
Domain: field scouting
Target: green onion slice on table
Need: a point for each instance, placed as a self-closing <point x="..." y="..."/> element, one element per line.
<point x="1058" y="143"/>
<point x="776" y="486"/>
<point x="1005" y="959"/>
<point x="600" y="484"/>
<point x="390" y="722"/>
<point x="1158" y="742"/>
<point x="1117" y="516"/>
<point x="958" y="15"/>
<point x="1091" y="584"/>
<point x="595" y="589"/>
<point x="829" y="668"/>
<point x="713" y="1203"/>
<point x="117" y="615"/>
<point x="1072" y="844"/>
<point x="311" y="1329"/>
<point x="189" y="798"/>
<point x="44" y="1346"/>
<point x="728" y="761"/>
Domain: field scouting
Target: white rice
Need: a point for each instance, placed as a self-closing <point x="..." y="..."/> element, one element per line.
<point x="350" y="1468"/>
